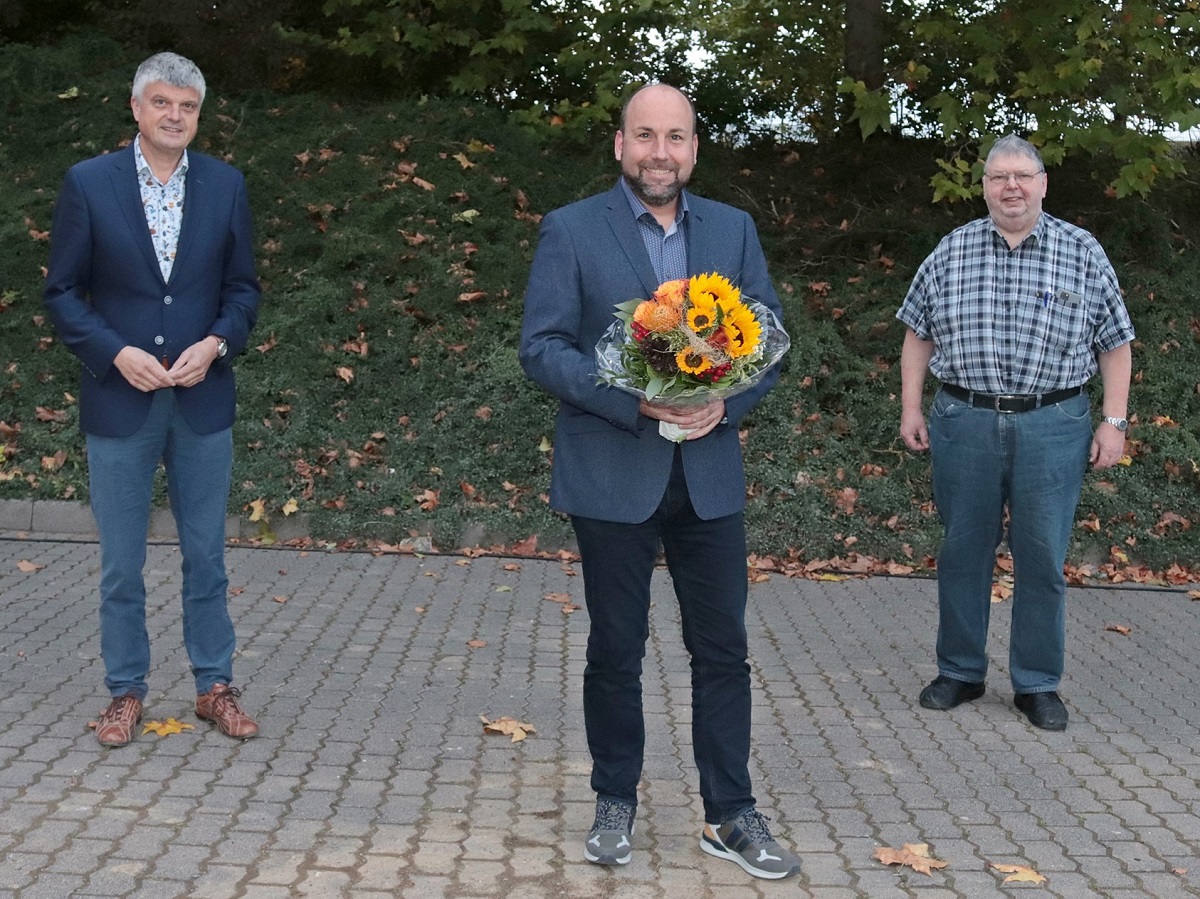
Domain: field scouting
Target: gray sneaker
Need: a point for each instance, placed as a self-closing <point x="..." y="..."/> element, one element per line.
<point x="747" y="840"/>
<point x="607" y="842"/>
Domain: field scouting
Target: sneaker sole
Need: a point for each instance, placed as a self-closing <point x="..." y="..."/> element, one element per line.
<point x="718" y="851"/>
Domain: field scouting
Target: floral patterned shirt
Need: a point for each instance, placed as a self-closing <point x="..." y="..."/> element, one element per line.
<point x="163" y="205"/>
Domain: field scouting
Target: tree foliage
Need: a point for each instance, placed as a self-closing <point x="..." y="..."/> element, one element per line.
<point x="1104" y="79"/>
<point x="1109" y="81"/>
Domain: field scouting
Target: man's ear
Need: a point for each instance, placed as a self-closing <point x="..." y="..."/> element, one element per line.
<point x="618" y="143"/>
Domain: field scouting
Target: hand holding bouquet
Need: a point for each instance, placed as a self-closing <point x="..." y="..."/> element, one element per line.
<point x="695" y="340"/>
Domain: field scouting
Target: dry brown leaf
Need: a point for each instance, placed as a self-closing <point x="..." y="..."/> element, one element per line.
<point x="569" y="608"/>
<point x="913" y="855"/>
<point x="518" y="730"/>
<point x="477" y="644"/>
<point x="166" y="728"/>
<point x="511" y="566"/>
<point x="558" y="597"/>
<point x="1018" y="873"/>
<point x="1122" y="629"/>
<point x="29" y="567"/>
<point x="279" y="599"/>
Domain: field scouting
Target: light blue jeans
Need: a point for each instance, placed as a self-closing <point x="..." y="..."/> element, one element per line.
<point x="1033" y="463"/>
<point x="121" y="479"/>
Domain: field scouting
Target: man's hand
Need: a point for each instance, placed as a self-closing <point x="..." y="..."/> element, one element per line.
<point x="696" y="420"/>
<point x="142" y="370"/>
<point x="913" y="430"/>
<point x="192" y="365"/>
<point x="1108" y="446"/>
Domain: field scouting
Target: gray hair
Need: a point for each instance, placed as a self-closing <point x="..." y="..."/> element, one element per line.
<point x="1011" y="145"/>
<point x="169" y="68"/>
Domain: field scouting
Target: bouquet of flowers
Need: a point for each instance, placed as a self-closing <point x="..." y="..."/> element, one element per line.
<point x="696" y="339"/>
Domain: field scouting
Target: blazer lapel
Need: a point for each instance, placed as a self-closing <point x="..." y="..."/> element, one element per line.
<point x="625" y="229"/>
<point x="129" y="199"/>
<point x="193" y="208"/>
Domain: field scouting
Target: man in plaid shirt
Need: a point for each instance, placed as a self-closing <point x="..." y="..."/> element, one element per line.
<point x="1013" y="313"/>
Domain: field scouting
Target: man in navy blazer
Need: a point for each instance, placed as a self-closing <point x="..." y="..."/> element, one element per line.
<point x="151" y="284"/>
<point x="628" y="489"/>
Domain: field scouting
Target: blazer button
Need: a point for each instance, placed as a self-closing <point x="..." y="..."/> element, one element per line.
<point x="159" y="340"/>
<point x="167" y="300"/>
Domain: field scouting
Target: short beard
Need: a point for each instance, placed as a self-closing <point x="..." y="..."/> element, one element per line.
<point x="655" y="195"/>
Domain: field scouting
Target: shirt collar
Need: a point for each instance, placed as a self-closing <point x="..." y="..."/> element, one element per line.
<point x="639" y="208"/>
<point x="143" y="167"/>
<point x="1037" y="234"/>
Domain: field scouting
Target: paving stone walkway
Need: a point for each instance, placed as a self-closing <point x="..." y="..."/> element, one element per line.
<point x="373" y="776"/>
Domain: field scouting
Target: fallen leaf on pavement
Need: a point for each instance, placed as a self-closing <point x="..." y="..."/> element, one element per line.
<point x="477" y="644"/>
<point x="518" y="730"/>
<point x="1018" y="873"/>
<point x="914" y="855"/>
<point x="558" y="597"/>
<point x="1122" y="629"/>
<point x="166" y="728"/>
<point x="27" y="566"/>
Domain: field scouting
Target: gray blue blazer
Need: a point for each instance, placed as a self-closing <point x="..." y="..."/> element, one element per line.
<point x="609" y="461"/>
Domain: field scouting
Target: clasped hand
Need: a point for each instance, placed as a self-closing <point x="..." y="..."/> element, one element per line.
<point x="146" y="372"/>
<point x="696" y="420"/>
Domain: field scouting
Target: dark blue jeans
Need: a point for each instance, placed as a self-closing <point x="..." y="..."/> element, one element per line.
<point x="707" y="561"/>
<point x="1032" y="463"/>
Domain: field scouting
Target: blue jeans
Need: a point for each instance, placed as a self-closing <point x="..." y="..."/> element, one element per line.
<point x="1033" y="463"/>
<point x="121" y="479"/>
<point x="707" y="561"/>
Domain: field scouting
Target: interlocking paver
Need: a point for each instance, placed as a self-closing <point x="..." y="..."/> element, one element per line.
<point x="372" y="776"/>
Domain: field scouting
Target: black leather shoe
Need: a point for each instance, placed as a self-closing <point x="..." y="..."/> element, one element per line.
<point x="1044" y="710"/>
<point x="946" y="692"/>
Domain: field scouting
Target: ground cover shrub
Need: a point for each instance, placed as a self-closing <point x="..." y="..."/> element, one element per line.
<point x="381" y="397"/>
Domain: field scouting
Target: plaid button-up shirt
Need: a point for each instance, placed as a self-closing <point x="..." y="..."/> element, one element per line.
<point x="1017" y="321"/>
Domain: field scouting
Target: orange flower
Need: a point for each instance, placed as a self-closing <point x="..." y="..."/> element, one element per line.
<point x="672" y="293"/>
<point x="658" y="317"/>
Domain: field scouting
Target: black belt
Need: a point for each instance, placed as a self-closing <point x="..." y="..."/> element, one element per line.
<point x="1013" y="402"/>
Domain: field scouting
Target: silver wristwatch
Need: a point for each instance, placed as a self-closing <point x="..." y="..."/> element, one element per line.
<point x="222" y="346"/>
<point x="1120" y="424"/>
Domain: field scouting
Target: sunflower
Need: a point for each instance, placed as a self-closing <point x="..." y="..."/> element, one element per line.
<point x="692" y="362"/>
<point x="702" y="315"/>
<point x="657" y="317"/>
<point x="743" y="330"/>
<point x="672" y="293"/>
<point x="713" y="288"/>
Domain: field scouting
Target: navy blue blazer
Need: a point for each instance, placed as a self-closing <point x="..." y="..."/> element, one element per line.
<point x="104" y="288"/>
<point x="609" y="461"/>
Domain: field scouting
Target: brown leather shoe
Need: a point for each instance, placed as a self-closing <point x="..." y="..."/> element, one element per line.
<point x="116" y="724"/>
<point x="220" y="706"/>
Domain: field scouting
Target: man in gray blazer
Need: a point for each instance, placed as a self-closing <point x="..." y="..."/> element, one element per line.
<point x="628" y="490"/>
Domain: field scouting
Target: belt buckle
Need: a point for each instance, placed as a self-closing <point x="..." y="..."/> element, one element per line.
<point x="1000" y="398"/>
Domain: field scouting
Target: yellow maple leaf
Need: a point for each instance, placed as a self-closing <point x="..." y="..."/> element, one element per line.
<point x="1018" y="873"/>
<point x="258" y="510"/>
<point x="291" y="507"/>
<point x="518" y="730"/>
<point x="913" y="855"/>
<point x="166" y="728"/>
